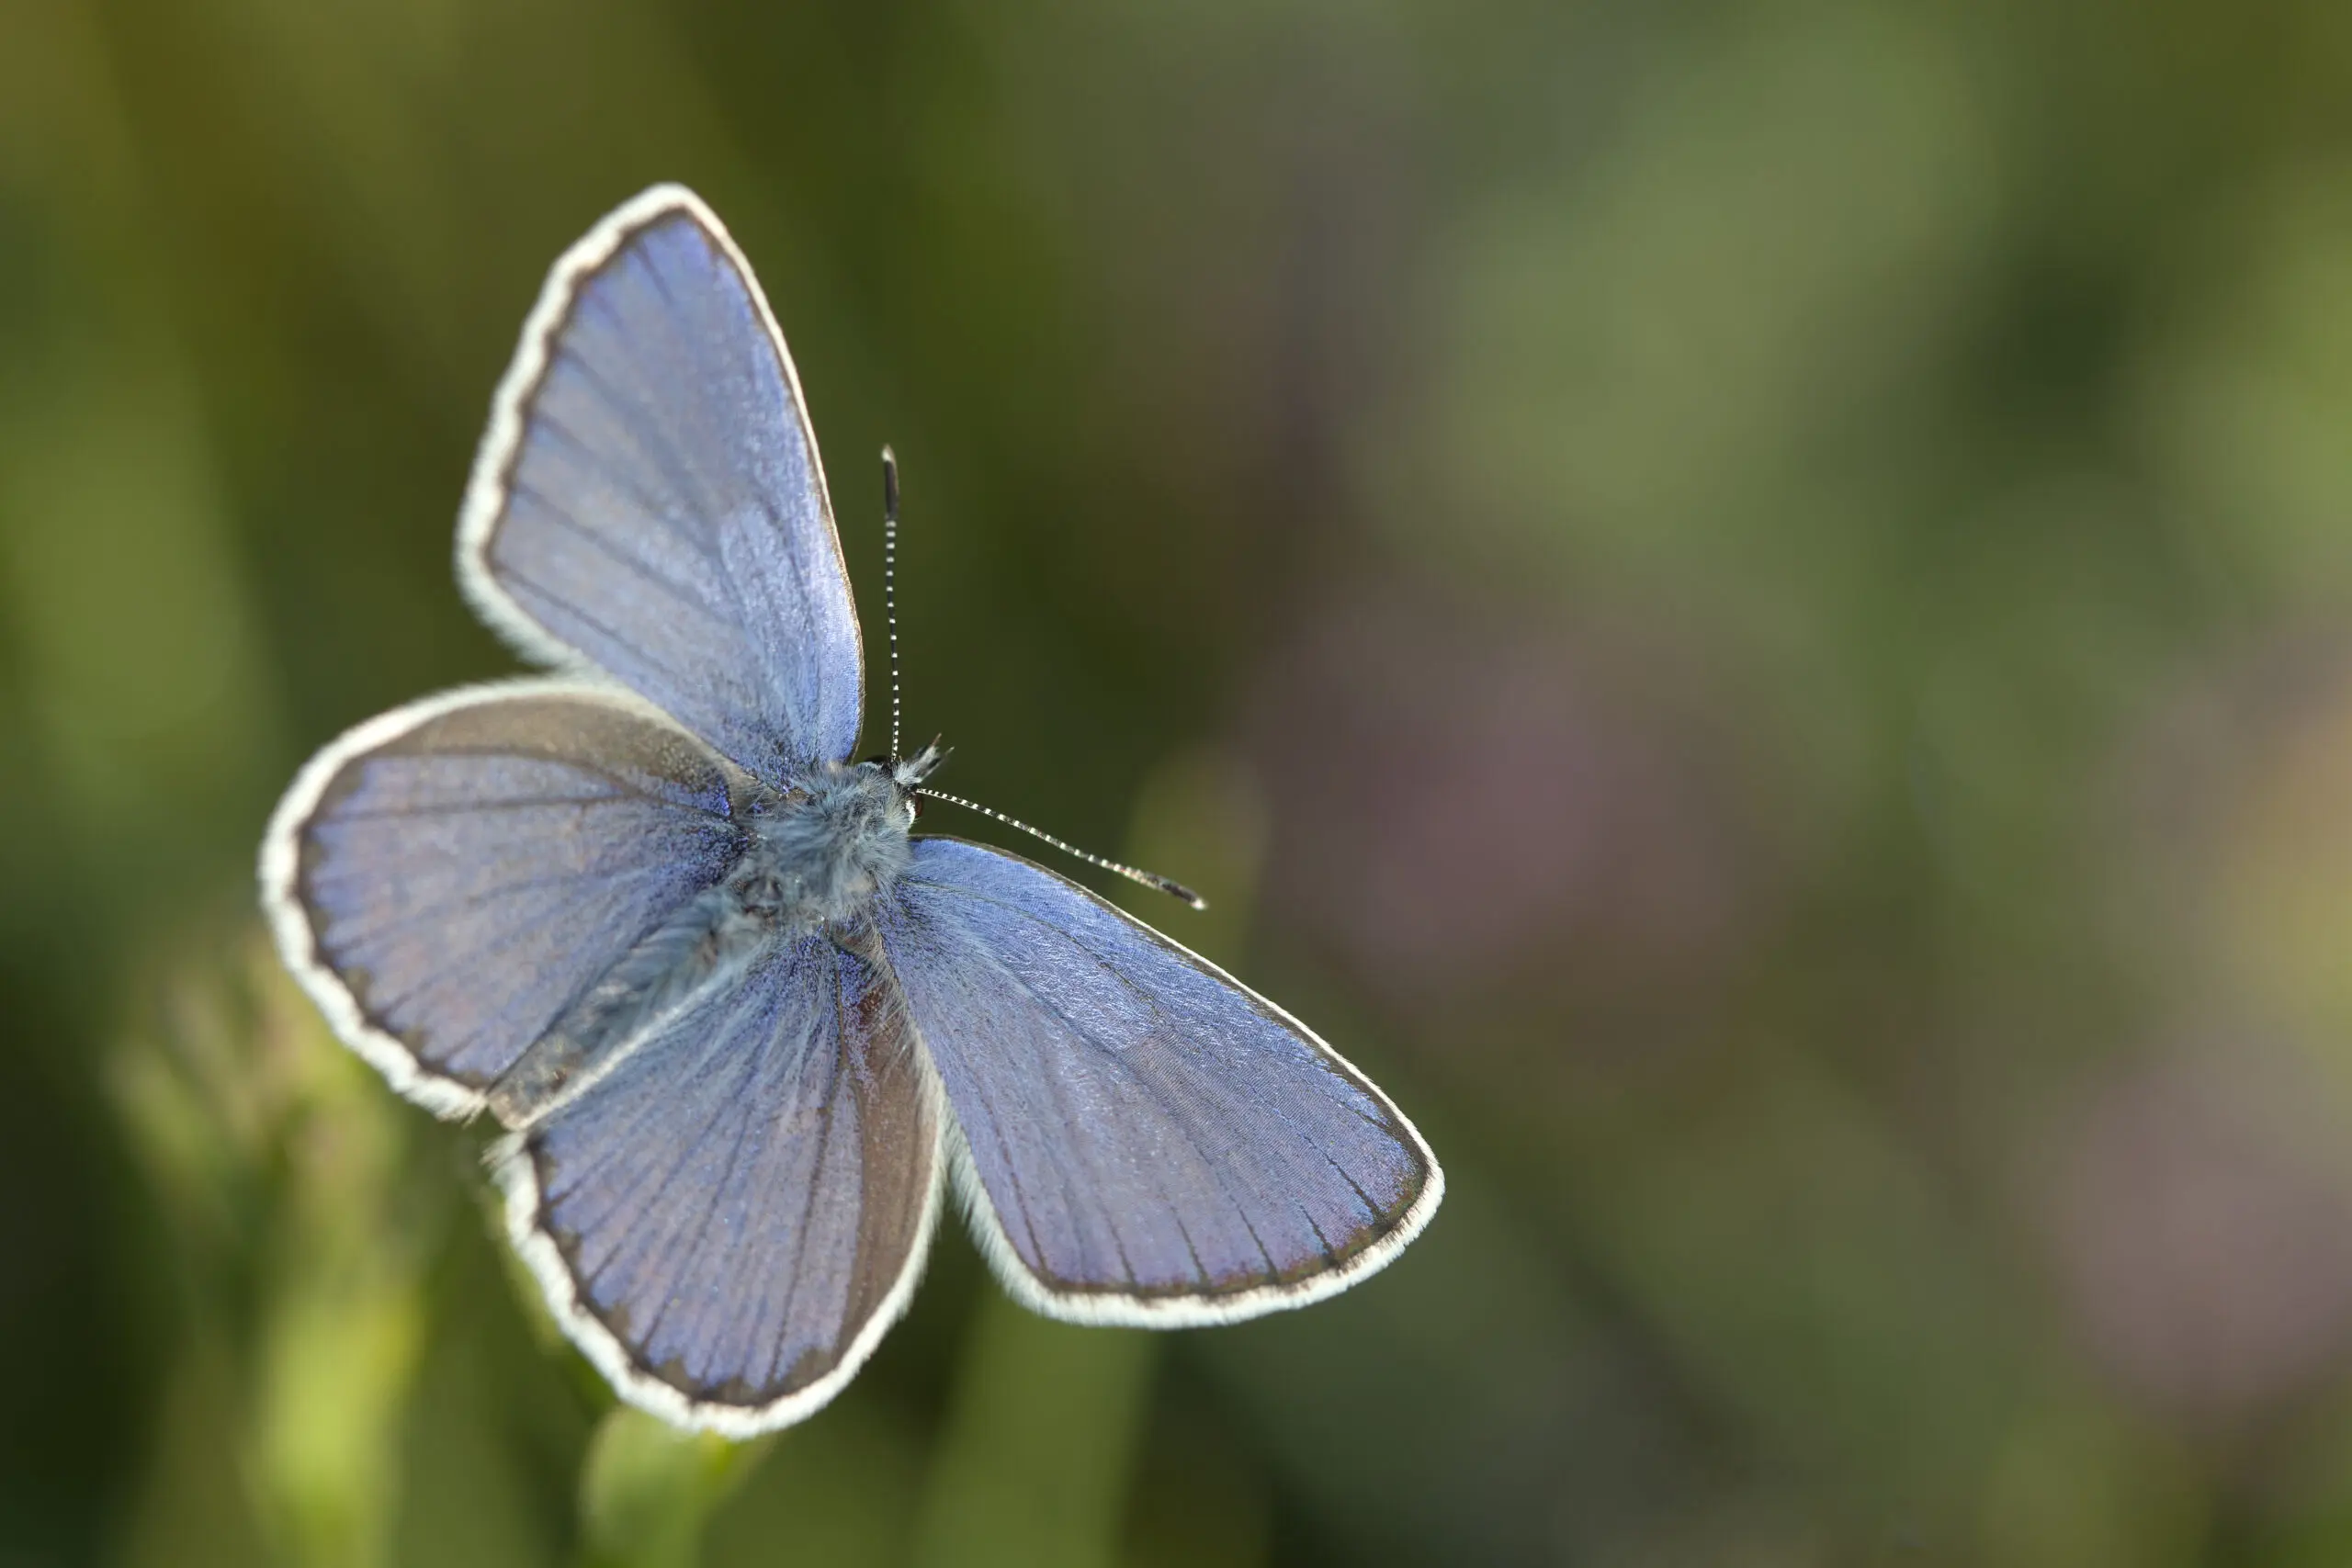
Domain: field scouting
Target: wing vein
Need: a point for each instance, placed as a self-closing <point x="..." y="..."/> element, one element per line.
<point x="606" y="547"/>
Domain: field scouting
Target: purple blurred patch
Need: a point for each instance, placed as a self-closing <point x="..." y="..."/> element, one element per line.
<point x="1466" y="803"/>
<point x="2201" y="1226"/>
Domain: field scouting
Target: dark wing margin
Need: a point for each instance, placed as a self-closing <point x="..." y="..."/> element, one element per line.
<point x="1141" y="1139"/>
<point x="728" y="1221"/>
<point x="445" y="877"/>
<point x="647" y="499"/>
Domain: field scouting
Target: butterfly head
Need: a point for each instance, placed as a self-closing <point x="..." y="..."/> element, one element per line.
<point x="908" y="772"/>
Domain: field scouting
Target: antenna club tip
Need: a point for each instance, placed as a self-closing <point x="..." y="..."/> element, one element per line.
<point x="890" y="457"/>
<point x="1198" y="902"/>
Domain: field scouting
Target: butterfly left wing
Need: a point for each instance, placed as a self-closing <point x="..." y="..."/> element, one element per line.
<point x="1143" y="1139"/>
<point x="445" y="878"/>
<point x="727" y="1220"/>
<point x="648" y="499"/>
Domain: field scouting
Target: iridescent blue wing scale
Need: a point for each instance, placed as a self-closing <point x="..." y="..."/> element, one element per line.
<point x="445" y="877"/>
<point x="729" y="1218"/>
<point x="649" y="501"/>
<point x="1142" y="1139"/>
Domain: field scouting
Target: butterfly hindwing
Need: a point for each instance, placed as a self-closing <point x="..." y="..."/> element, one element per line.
<point x="445" y="877"/>
<point x="649" y="498"/>
<point x="729" y="1218"/>
<point x="1150" y="1141"/>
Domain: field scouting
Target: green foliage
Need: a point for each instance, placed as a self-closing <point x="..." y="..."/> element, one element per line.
<point x="1033" y="1462"/>
<point x="647" y="1490"/>
<point x="283" y="1168"/>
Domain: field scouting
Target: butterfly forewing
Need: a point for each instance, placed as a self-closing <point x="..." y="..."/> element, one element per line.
<point x="732" y="1216"/>
<point x="445" y="878"/>
<point x="649" y="497"/>
<point x="1151" y="1142"/>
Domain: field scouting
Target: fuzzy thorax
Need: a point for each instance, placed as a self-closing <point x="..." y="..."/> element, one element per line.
<point x="819" y="853"/>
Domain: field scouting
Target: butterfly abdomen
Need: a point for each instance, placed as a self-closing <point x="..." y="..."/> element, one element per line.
<point x="709" y="941"/>
<point x="814" y="857"/>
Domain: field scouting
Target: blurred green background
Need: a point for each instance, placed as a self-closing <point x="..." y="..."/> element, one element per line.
<point x="1749" y="603"/>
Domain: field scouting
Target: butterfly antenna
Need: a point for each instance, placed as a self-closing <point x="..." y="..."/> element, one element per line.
<point x="911" y="770"/>
<point x="1167" y="885"/>
<point x="890" y="580"/>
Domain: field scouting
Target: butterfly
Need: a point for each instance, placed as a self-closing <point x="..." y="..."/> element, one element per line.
<point x="740" y="1024"/>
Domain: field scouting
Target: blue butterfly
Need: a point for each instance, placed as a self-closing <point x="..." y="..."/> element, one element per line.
<point x="740" y="1023"/>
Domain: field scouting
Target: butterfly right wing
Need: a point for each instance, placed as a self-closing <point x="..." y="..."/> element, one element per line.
<point x="649" y="498"/>
<point x="446" y="877"/>
<point x="1141" y="1139"/>
<point x="729" y="1218"/>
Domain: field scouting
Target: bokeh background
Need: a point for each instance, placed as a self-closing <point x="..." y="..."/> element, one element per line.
<point x="1749" y="603"/>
